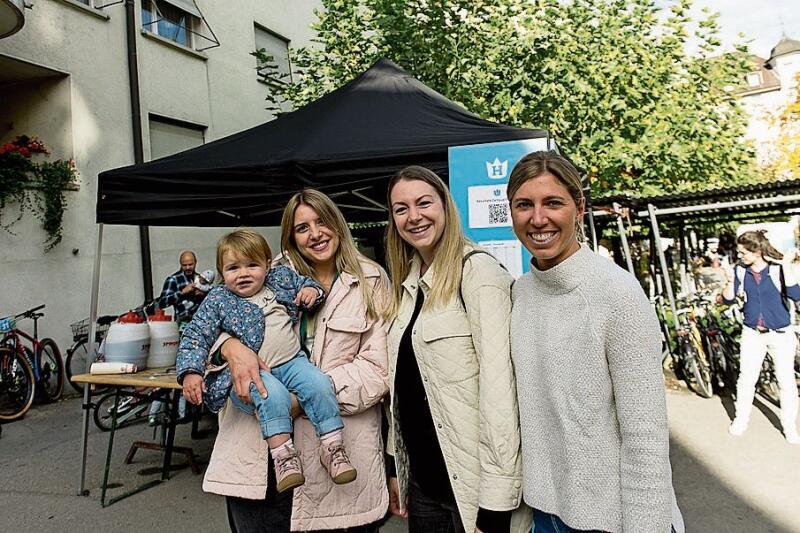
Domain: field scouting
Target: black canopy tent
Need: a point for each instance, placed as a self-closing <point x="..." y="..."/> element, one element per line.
<point x="347" y="144"/>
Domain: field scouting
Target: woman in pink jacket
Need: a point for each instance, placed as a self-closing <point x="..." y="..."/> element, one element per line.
<point x="346" y="339"/>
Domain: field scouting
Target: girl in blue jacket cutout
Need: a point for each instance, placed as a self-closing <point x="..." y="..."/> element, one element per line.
<point x="261" y="306"/>
<point x="766" y="288"/>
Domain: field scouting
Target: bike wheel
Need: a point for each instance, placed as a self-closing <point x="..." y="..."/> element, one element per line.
<point x="104" y="411"/>
<point x="51" y="369"/>
<point x="75" y="364"/>
<point x="17" y="385"/>
<point x="697" y="374"/>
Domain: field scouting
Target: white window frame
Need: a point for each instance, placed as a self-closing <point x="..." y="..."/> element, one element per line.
<point x="192" y="25"/>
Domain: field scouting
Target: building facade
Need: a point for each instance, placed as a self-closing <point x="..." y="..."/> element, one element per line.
<point x="64" y="78"/>
<point x="769" y="87"/>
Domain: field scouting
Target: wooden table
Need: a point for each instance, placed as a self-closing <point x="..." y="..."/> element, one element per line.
<point x="151" y="378"/>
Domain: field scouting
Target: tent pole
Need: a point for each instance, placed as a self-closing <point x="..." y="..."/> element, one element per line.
<point x="92" y="354"/>
<point x="623" y="237"/>
<point x="663" y="260"/>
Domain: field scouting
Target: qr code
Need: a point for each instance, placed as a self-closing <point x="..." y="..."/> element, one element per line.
<point x="498" y="213"/>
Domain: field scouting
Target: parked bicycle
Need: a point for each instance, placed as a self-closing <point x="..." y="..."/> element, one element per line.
<point x="42" y="354"/>
<point x="17" y="384"/>
<point x="76" y="361"/>
<point x="133" y="408"/>
<point x="691" y="354"/>
<point x="716" y="329"/>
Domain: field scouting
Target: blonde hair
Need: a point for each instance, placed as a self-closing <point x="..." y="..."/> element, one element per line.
<point x="347" y="258"/>
<point x="540" y="163"/>
<point x="447" y="262"/>
<point x="245" y="242"/>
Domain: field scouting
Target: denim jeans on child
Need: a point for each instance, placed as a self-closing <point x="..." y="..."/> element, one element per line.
<point x="313" y="389"/>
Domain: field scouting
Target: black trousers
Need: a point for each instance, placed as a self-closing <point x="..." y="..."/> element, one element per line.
<point x="426" y="515"/>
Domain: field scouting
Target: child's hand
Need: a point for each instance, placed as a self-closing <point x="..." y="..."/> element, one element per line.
<point x="193" y="388"/>
<point x="306" y="297"/>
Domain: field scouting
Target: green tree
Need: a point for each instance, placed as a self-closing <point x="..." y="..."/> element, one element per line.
<point x="611" y="79"/>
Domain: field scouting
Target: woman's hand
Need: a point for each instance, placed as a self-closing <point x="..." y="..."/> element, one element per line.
<point x="394" y="499"/>
<point x="193" y="388"/>
<point x="245" y="365"/>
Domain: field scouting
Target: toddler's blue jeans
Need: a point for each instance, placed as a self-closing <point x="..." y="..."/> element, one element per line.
<point x="313" y="389"/>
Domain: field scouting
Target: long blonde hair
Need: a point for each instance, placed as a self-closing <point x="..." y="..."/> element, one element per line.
<point x="346" y="257"/>
<point x="449" y="250"/>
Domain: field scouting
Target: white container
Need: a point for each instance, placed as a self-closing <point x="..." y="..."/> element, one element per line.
<point x="128" y="342"/>
<point x="163" y="343"/>
<point x="112" y="368"/>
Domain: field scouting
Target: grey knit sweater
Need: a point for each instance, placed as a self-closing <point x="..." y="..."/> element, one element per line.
<point x="595" y="443"/>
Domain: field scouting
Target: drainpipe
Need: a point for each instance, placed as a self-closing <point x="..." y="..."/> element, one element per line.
<point x="138" y="151"/>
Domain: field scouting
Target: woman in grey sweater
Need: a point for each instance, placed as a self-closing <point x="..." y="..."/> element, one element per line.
<point x="586" y="350"/>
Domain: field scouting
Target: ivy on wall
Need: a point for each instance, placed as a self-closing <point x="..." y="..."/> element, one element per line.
<point x="35" y="187"/>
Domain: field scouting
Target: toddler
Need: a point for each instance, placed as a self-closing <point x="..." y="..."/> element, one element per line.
<point x="260" y="306"/>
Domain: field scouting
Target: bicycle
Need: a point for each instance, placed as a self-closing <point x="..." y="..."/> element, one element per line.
<point x="691" y="355"/>
<point x="76" y="361"/>
<point x="132" y="408"/>
<point x="43" y="355"/>
<point x="17" y="383"/>
<point x="721" y="347"/>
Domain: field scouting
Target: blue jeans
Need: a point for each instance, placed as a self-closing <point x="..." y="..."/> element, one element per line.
<point x="550" y="523"/>
<point x="313" y="389"/>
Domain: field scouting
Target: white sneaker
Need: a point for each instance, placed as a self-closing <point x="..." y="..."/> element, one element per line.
<point x="793" y="438"/>
<point x="737" y="427"/>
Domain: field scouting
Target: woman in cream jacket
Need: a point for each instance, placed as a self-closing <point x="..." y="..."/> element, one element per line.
<point x="455" y="425"/>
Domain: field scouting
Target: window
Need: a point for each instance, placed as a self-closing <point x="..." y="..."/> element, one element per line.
<point x="754" y="79"/>
<point x="175" y="20"/>
<point x="277" y="47"/>
<point x="169" y="136"/>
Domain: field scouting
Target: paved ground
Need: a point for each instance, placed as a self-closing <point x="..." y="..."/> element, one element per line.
<point x="723" y="484"/>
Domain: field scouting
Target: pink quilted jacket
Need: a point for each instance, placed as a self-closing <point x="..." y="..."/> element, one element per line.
<point x="351" y="348"/>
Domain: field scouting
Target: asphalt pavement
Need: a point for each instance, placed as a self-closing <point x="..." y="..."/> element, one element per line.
<point x="723" y="483"/>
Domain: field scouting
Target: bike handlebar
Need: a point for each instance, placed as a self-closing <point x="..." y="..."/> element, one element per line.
<point x="30" y="312"/>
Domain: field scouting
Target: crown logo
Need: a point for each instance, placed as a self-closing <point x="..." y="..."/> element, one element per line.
<point x="496" y="170"/>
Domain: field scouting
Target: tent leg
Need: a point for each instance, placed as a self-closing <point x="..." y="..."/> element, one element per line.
<point x="663" y="260"/>
<point x="92" y="354"/>
<point x="624" y="238"/>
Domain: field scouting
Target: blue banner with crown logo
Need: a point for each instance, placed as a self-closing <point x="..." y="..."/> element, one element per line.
<point x="478" y="179"/>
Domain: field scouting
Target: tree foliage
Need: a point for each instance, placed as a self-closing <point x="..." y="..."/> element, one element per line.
<point x="611" y="79"/>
